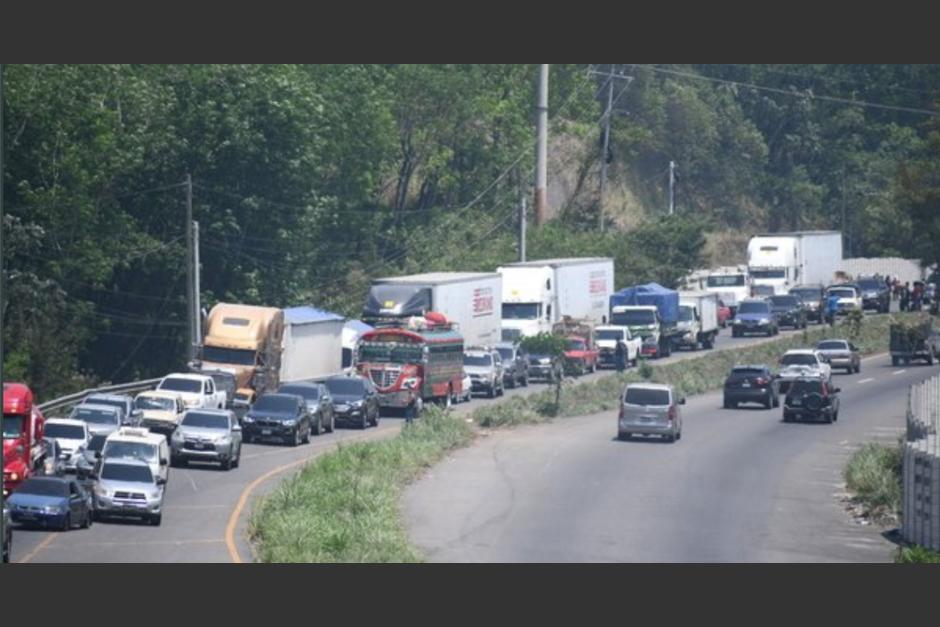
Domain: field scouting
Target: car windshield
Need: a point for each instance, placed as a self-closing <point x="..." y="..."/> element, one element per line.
<point x="646" y="396"/>
<point x="66" y="432"/>
<point x="747" y="371"/>
<point x="800" y="359"/>
<point x="870" y="284"/>
<point x="345" y="387"/>
<point x="806" y="386"/>
<point x="832" y="345"/>
<point x="111" y="402"/>
<point x="633" y="318"/>
<point x="43" y="487"/>
<point x="842" y="293"/>
<point x="726" y="280"/>
<point x="155" y="402"/>
<point x="610" y="334"/>
<point x="686" y="314"/>
<point x="505" y="353"/>
<point x="769" y="274"/>
<point x="754" y="308"/>
<point x="785" y="301"/>
<point x="176" y="384"/>
<point x="127" y="472"/>
<point x="134" y="450"/>
<point x="576" y="345"/>
<point x="12" y="426"/>
<point x="206" y="421"/>
<point x="309" y="392"/>
<point x="276" y="402"/>
<point x="521" y="311"/>
<point x="95" y="416"/>
<point x="807" y="294"/>
<point x="238" y="356"/>
<point x="477" y="360"/>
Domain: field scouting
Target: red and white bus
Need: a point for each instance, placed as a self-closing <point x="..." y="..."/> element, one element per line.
<point x="412" y="366"/>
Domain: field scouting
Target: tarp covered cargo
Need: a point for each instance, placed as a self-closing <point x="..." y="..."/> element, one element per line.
<point x="664" y="299"/>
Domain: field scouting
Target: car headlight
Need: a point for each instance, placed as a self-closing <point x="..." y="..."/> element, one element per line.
<point x="247" y="418"/>
<point x="410" y="383"/>
<point x="155" y="494"/>
<point x="764" y="321"/>
<point x="52" y="509"/>
<point x="738" y="321"/>
<point x="357" y="404"/>
<point x="224" y="439"/>
<point x="191" y="402"/>
<point x="290" y="422"/>
<point x="545" y="361"/>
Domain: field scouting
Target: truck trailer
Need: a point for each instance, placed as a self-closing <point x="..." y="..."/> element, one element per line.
<point x="698" y="319"/>
<point x="651" y="312"/>
<point x="470" y="301"/>
<point x="784" y="260"/>
<point x="538" y="294"/>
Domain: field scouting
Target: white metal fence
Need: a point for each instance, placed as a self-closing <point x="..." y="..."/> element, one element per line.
<point x="921" y="507"/>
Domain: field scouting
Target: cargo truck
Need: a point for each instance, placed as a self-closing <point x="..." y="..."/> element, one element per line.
<point x="732" y="284"/>
<point x="23" y="432"/>
<point x="469" y="300"/>
<point x="538" y="294"/>
<point x="651" y="312"/>
<point x="784" y="260"/>
<point x="265" y="346"/>
<point x="698" y="319"/>
<point x="913" y="339"/>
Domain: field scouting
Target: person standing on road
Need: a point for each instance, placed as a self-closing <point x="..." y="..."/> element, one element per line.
<point x="905" y="295"/>
<point x="832" y="307"/>
<point x="620" y="356"/>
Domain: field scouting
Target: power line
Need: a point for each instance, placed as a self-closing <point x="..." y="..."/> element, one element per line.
<point x="830" y="79"/>
<point x="808" y="95"/>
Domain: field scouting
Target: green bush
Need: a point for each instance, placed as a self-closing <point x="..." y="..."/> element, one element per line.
<point x="917" y="555"/>
<point x="344" y="506"/>
<point x="873" y="475"/>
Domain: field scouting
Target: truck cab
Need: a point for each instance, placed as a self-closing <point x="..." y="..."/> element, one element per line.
<point x="23" y="432"/>
<point x="196" y="390"/>
<point x="607" y="337"/>
<point x="644" y="322"/>
<point x="527" y="302"/>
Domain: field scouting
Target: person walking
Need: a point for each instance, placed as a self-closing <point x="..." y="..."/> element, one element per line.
<point x="620" y="356"/>
<point x="832" y="308"/>
<point x="905" y="296"/>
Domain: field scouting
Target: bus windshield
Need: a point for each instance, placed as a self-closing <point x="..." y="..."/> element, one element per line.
<point x="726" y="280"/>
<point x="392" y="352"/>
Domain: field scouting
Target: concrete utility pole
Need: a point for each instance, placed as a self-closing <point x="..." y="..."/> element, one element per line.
<point x="672" y="187"/>
<point x="606" y="146"/>
<point x="197" y="271"/>
<point x="541" y="153"/>
<point x="521" y="226"/>
<point x="190" y="278"/>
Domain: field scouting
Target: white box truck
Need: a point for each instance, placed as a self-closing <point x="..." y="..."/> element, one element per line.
<point x="537" y="294"/>
<point x="312" y="344"/>
<point x="732" y="284"/>
<point x="698" y="319"/>
<point x="785" y="260"/>
<point x="469" y="299"/>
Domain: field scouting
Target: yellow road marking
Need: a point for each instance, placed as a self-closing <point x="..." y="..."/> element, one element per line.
<point x="45" y="543"/>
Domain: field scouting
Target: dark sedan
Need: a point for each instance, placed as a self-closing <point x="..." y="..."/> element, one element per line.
<point x="354" y="400"/>
<point x="319" y="404"/>
<point x="282" y="417"/>
<point x="813" y="300"/>
<point x="754" y="316"/>
<point x="57" y="502"/>
<point x="788" y="310"/>
<point x="751" y="384"/>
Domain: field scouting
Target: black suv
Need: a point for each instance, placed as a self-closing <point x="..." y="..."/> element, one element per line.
<point x="355" y="401"/>
<point x="515" y="364"/>
<point x="875" y="294"/>
<point x="283" y="417"/>
<point x="751" y="384"/>
<point x="811" y="398"/>
<point x="789" y="311"/>
<point x="813" y="300"/>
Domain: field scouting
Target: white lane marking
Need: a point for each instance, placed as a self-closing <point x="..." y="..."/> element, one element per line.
<point x="868" y="380"/>
<point x="899" y="372"/>
<point x="190" y="477"/>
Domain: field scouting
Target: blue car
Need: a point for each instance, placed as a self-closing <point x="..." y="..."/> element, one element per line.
<point x="755" y="316"/>
<point x="54" y="502"/>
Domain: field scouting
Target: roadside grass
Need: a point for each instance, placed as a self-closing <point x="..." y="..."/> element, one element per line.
<point x="706" y="371"/>
<point x="873" y="476"/>
<point x="916" y="555"/>
<point x="344" y="506"/>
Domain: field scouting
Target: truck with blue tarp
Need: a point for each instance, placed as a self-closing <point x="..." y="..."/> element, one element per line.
<point x="651" y="312"/>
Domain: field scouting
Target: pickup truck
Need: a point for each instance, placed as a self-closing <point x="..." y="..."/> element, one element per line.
<point x="581" y="355"/>
<point x="198" y="391"/>
<point x="607" y="337"/>
<point x="912" y="340"/>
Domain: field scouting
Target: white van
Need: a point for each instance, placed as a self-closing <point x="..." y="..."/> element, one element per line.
<point x="139" y="443"/>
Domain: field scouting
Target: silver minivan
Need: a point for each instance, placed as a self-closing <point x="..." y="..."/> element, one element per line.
<point x="650" y="409"/>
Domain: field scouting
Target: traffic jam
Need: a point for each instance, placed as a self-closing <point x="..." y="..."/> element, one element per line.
<point x="282" y="377"/>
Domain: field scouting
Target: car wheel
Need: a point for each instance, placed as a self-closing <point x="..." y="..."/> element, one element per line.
<point x="238" y="457"/>
<point x="776" y="399"/>
<point x="623" y="435"/>
<point x="306" y="439"/>
<point x="502" y="390"/>
<point x="491" y="393"/>
<point x="512" y="382"/>
<point x="156" y="519"/>
<point x="87" y="522"/>
<point x="227" y="463"/>
<point x="364" y="423"/>
<point x="670" y="438"/>
<point x="894" y="361"/>
<point x="769" y="403"/>
<point x="295" y="437"/>
<point x="319" y="427"/>
<point x="787" y="417"/>
<point x="525" y="381"/>
<point x="66" y="523"/>
<point x="679" y="434"/>
<point x="375" y="419"/>
<point x="727" y="404"/>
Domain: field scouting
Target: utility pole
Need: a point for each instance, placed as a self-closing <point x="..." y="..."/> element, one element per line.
<point x="521" y="226"/>
<point x="606" y="146"/>
<point x="190" y="278"/>
<point x="197" y="271"/>
<point x="541" y="153"/>
<point x="672" y="187"/>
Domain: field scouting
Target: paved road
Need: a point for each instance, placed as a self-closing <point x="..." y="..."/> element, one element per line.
<point x="741" y="485"/>
<point x="204" y="506"/>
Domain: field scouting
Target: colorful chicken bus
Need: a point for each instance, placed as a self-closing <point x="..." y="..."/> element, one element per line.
<point x="410" y="366"/>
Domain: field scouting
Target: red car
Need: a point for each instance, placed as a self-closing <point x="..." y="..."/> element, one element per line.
<point x="724" y="314"/>
<point x="581" y="355"/>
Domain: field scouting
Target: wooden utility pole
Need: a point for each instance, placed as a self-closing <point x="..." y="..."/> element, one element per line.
<point x="605" y="148"/>
<point x="190" y="274"/>
<point x="541" y="152"/>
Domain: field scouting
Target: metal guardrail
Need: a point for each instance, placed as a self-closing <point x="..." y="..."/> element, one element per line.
<point x="73" y="399"/>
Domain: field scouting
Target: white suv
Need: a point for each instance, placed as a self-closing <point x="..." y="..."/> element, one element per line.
<point x="802" y="362"/>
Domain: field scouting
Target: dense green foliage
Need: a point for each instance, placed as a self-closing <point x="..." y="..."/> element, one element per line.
<point x="311" y="180"/>
<point x="874" y="476"/>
